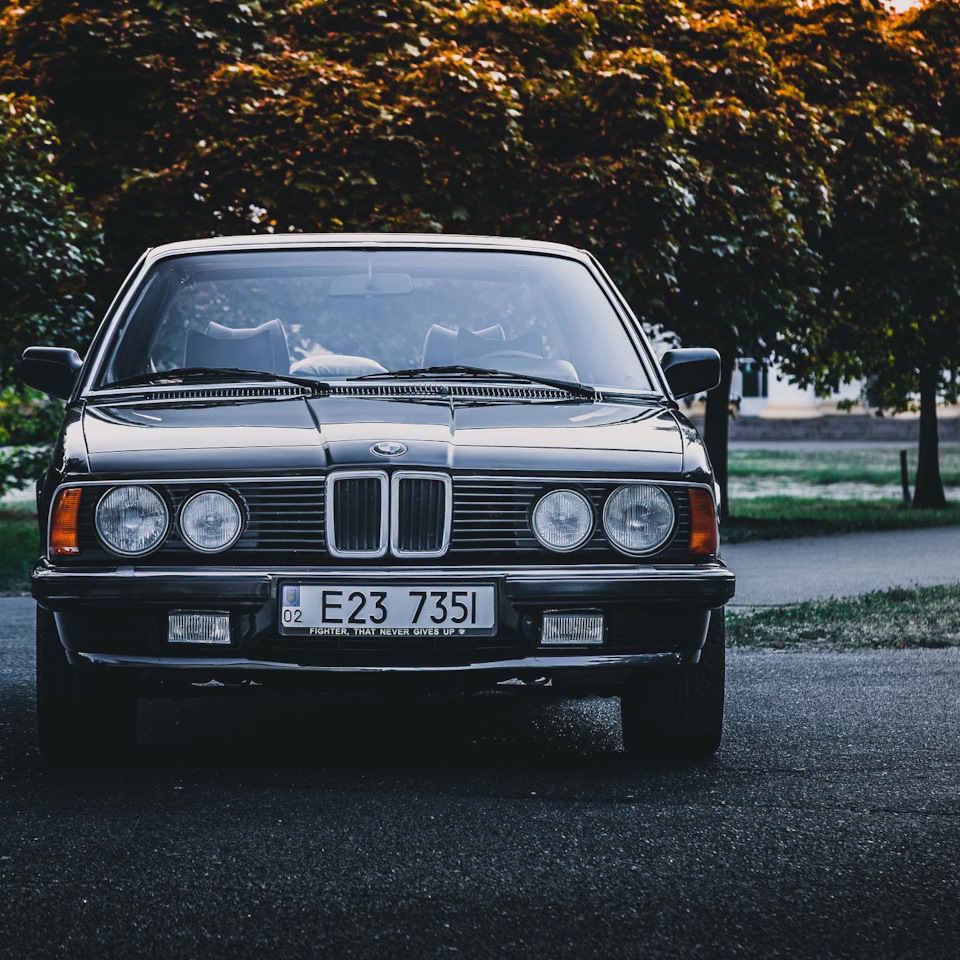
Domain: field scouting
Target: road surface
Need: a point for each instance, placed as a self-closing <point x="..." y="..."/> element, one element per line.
<point x="255" y="826"/>
<point x="813" y="568"/>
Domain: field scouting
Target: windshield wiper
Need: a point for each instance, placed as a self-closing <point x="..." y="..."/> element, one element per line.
<point x="571" y="386"/>
<point x="187" y="374"/>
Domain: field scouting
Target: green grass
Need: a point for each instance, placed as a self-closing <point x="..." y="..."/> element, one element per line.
<point x="18" y="547"/>
<point x="879" y="465"/>
<point x="777" y="518"/>
<point x="889" y="619"/>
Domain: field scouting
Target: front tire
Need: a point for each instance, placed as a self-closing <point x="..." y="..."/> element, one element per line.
<point x="678" y="712"/>
<point x="82" y="713"/>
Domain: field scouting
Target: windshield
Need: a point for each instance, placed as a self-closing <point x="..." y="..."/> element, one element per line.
<point x="336" y="314"/>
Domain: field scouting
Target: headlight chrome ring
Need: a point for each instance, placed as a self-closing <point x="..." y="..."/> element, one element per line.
<point x="562" y="520"/>
<point x="210" y="521"/>
<point x="638" y="518"/>
<point x="132" y="520"/>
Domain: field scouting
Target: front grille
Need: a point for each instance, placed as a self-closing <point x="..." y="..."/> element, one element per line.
<point x="357" y="514"/>
<point x="421" y="512"/>
<point x="478" y="520"/>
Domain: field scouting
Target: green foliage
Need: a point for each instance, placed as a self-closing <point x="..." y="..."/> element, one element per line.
<point x="888" y="309"/>
<point x="29" y="423"/>
<point x="874" y="465"/>
<point x="779" y="518"/>
<point x="48" y="245"/>
<point x="894" y="619"/>
<point x="660" y="138"/>
<point x="19" y="549"/>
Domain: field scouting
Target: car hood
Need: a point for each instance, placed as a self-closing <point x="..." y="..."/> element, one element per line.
<point x="291" y="435"/>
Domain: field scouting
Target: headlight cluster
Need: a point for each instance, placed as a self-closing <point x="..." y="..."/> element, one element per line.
<point x="210" y="521"/>
<point x="133" y="520"/>
<point x="563" y="520"/>
<point x="638" y="518"/>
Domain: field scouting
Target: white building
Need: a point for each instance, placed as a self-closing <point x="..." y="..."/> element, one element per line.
<point x="763" y="391"/>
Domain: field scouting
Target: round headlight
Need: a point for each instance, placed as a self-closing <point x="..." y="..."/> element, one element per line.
<point x="638" y="518"/>
<point x="210" y="521"/>
<point x="562" y="520"/>
<point x="132" y="520"/>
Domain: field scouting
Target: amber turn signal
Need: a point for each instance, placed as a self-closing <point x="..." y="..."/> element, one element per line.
<point x="704" y="537"/>
<point x="64" y="523"/>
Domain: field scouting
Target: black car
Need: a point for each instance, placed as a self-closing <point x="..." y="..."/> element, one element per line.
<point x="376" y="462"/>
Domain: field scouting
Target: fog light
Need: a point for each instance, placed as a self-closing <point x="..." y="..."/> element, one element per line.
<point x="572" y="626"/>
<point x="198" y="626"/>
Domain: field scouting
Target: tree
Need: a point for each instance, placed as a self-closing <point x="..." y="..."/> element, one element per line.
<point x="49" y="244"/>
<point x="47" y="249"/>
<point x="112" y="77"/>
<point x="746" y="264"/>
<point x="888" y="311"/>
<point x="603" y="121"/>
<point x="483" y="117"/>
<point x="766" y="176"/>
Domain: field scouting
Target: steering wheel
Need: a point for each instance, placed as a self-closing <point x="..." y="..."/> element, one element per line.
<point x="496" y="355"/>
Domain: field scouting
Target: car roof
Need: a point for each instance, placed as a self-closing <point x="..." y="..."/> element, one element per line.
<point x="436" y="241"/>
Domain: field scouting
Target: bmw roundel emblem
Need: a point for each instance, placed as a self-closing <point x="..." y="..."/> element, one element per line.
<point x="389" y="448"/>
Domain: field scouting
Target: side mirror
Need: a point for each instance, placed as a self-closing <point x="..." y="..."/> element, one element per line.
<point x="694" y="370"/>
<point x="52" y="370"/>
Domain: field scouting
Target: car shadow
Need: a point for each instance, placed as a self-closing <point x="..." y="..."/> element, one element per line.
<point x="278" y="730"/>
<point x="501" y="745"/>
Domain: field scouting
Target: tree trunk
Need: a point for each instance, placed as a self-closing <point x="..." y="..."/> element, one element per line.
<point x="928" y="492"/>
<point x="716" y="422"/>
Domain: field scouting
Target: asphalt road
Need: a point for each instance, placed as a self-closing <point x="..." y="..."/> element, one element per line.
<point x="812" y="568"/>
<point x="829" y="825"/>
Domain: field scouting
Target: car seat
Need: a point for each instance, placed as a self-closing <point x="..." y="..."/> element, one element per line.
<point x="252" y="348"/>
<point x="440" y="344"/>
<point x="523" y="354"/>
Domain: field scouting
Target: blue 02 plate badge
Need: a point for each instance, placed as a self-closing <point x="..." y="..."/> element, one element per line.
<point x="407" y="610"/>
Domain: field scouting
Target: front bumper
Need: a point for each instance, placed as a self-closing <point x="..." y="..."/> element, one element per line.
<point x="657" y="614"/>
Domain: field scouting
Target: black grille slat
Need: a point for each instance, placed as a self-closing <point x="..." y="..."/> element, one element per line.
<point x="421" y="511"/>
<point x="357" y="514"/>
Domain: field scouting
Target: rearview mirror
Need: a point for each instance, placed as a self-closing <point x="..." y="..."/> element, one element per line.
<point x="52" y="370"/>
<point x="693" y="370"/>
<point x="371" y="285"/>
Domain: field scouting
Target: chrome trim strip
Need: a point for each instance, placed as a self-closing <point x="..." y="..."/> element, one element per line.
<point x="512" y="574"/>
<point x="395" y="480"/>
<point x="528" y="477"/>
<point x="105" y="328"/>
<point x="117" y="311"/>
<point x="634" y="326"/>
<point x="331" y="531"/>
<point x="571" y="662"/>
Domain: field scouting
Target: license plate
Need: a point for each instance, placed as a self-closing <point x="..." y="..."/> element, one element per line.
<point x="347" y="610"/>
